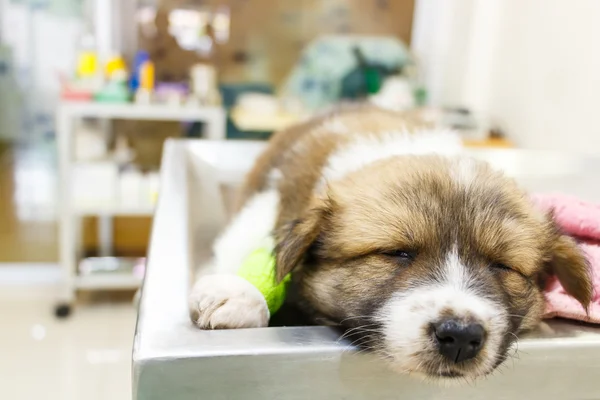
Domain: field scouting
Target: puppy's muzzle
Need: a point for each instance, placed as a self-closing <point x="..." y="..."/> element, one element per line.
<point x="458" y="341"/>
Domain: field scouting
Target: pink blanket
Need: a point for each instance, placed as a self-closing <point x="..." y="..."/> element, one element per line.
<point x="581" y="220"/>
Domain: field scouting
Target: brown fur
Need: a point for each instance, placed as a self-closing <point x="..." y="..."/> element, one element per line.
<point x="302" y="172"/>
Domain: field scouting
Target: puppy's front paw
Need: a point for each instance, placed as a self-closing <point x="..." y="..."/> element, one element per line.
<point x="224" y="301"/>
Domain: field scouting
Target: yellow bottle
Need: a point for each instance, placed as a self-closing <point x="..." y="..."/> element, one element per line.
<point x="87" y="64"/>
<point x="147" y="76"/>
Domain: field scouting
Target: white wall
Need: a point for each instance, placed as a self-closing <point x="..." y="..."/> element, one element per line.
<point x="532" y="65"/>
<point x="42" y="44"/>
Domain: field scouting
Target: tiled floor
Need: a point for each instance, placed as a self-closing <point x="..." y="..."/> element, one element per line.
<point x="87" y="356"/>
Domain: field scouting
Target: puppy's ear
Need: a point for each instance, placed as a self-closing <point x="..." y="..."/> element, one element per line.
<point x="568" y="263"/>
<point x="295" y="238"/>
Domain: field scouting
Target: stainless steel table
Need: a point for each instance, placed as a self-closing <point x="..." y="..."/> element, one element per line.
<point x="173" y="360"/>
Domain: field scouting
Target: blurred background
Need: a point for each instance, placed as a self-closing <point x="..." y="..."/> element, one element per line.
<point x="90" y="90"/>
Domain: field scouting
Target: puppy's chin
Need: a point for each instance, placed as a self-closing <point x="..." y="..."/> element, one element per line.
<point x="442" y="376"/>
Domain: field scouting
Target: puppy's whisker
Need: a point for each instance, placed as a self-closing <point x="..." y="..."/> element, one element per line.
<point x="356" y="333"/>
<point x="362" y="326"/>
<point x="362" y="346"/>
<point x="367" y="317"/>
<point x="344" y="340"/>
<point x="358" y="329"/>
<point x="358" y="348"/>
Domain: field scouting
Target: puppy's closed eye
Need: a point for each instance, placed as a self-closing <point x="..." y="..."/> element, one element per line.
<point x="501" y="267"/>
<point x="400" y="256"/>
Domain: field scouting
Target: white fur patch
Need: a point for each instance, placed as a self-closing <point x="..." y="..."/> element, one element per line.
<point x="455" y="273"/>
<point x="407" y="315"/>
<point x="246" y="232"/>
<point x="273" y="178"/>
<point x="464" y="171"/>
<point x="334" y="125"/>
<point x="366" y="150"/>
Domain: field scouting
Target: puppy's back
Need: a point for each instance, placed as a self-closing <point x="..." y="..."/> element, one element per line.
<point x="295" y="157"/>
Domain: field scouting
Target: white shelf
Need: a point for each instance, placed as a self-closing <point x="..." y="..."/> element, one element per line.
<point x="214" y="119"/>
<point x="108" y="281"/>
<point x="141" y="112"/>
<point x="114" y="210"/>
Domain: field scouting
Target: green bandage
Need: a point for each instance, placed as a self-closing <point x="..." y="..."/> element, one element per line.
<point x="259" y="269"/>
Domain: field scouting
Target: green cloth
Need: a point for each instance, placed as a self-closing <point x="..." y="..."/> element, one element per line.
<point x="259" y="269"/>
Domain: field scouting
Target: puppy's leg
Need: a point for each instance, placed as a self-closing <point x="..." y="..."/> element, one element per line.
<point x="227" y="301"/>
<point x="220" y="299"/>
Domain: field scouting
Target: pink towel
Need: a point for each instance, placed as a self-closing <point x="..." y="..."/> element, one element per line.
<point x="582" y="221"/>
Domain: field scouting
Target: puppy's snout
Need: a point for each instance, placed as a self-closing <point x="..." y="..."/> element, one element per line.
<point x="458" y="341"/>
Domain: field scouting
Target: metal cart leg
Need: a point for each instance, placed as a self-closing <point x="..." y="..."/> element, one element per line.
<point x="215" y="126"/>
<point x="105" y="235"/>
<point x="67" y="253"/>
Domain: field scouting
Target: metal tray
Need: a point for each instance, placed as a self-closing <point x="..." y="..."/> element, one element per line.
<point x="173" y="360"/>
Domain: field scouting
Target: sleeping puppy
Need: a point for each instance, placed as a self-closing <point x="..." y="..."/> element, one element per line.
<point x="436" y="261"/>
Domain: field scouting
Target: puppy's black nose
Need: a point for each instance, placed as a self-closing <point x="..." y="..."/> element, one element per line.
<point x="458" y="341"/>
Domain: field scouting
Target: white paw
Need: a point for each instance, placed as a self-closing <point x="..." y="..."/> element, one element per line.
<point x="224" y="301"/>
